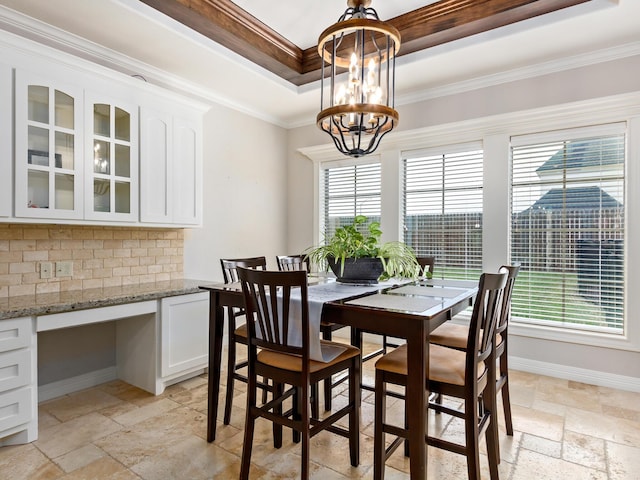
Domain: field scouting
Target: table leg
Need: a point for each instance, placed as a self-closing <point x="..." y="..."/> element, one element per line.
<point x="416" y="403"/>
<point x="216" y="330"/>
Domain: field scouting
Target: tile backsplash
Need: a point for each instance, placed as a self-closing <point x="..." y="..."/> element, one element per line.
<point x="101" y="256"/>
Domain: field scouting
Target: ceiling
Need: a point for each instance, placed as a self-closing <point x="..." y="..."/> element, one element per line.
<point x="151" y="43"/>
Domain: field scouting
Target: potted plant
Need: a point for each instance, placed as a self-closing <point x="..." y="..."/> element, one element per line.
<point x="358" y="258"/>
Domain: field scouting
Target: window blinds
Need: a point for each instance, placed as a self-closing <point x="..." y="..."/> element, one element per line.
<point x="442" y="209"/>
<point x="567" y="229"/>
<point x="350" y="191"/>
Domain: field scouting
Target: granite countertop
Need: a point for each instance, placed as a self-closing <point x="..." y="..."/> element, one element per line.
<point x="45" y="303"/>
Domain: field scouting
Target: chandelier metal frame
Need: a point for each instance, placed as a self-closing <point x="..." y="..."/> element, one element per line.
<point x="358" y="54"/>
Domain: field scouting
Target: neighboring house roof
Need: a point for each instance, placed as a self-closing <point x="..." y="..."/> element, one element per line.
<point x="587" y="153"/>
<point x="573" y="199"/>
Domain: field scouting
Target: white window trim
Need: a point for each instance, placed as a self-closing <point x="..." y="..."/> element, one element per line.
<point x="495" y="133"/>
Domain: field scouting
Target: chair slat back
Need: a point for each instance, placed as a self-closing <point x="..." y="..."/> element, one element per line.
<point x="230" y="265"/>
<point x="486" y="313"/>
<point x="505" y="316"/>
<point x="426" y="264"/>
<point x="292" y="262"/>
<point x="272" y="310"/>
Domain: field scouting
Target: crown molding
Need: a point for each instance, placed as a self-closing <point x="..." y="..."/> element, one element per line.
<point x="29" y="35"/>
<point x="438" y="23"/>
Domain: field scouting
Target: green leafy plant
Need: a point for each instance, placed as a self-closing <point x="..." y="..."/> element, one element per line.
<point x="398" y="259"/>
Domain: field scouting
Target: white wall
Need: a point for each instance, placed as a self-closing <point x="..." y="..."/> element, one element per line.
<point x="484" y="114"/>
<point x="245" y="194"/>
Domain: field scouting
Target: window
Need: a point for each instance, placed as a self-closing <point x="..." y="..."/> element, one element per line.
<point x="567" y="228"/>
<point x="442" y="209"/>
<point x="350" y="191"/>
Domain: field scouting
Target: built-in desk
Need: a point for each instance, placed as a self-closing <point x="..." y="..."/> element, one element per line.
<point x="161" y="338"/>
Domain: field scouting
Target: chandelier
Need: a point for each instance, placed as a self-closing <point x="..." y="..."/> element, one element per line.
<point x="358" y="58"/>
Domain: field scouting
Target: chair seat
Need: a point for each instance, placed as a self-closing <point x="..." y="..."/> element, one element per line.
<point x="294" y="363"/>
<point x="241" y="331"/>
<point x="446" y="365"/>
<point x="453" y="335"/>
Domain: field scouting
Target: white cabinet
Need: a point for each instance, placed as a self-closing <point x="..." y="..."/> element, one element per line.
<point x="111" y="159"/>
<point x="184" y="336"/>
<point x="48" y="155"/>
<point x="6" y="160"/>
<point x="170" y="168"/>
<point x="18" y="400"/>
<point x="58" y="178"/>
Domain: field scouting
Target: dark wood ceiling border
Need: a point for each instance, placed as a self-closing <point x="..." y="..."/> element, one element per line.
<point x="447" y="20"/>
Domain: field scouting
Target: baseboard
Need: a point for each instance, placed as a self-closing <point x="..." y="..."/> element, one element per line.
<point x="592" y="377"/>
<point x="73" y="384"/>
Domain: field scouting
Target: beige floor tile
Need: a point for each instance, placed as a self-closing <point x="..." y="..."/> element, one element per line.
<point x="584" y="450"/>
<point x="533" y="465"/>
<point x="26" y="462"/>
<point x="538" y="423"/>
<point x="153" y="436"/>
<point x="603" y="426"/>
<point x="79" y="458"/>
<point x="78" y="404"/>
<point x="145" y="412"/>
<point x="624" y="461"/>
<point x="104" y="468"/>
<point x="190" y="458"/>
<point x="543" y="446"/>
<point x="66" y="437"/>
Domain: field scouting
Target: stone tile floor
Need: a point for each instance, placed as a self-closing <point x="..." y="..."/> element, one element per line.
<point x="115" y="431"/>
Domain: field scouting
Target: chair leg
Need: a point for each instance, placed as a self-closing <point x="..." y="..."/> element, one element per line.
<point x="326" y="335"/>
<point x="277" y="410"/>
<point x="493" y="452"/>
<point x="297" y="408"/>
<point x="354" y="416"/>
<point x="506" y="400"/>
<point x="231" y="370"/>
<point x="380" y="409"/>
<point x="305" y="433"/>
<point x="264" y="390"/>
<point x="315" y="401"/>
<point x="472" y="432"/>
<point x="248" y="431"/>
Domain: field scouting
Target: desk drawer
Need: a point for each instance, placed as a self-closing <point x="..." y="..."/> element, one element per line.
<point x="15" y="333"/>
<point x="15" y="408"/>
<point x="15" y="369"/>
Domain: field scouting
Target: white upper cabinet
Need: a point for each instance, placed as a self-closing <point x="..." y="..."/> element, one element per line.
<point x="5" y="141"/>
<point x="170" y="168"/>
<point x="80" y="145"/>
<point x="111" y="159"/>
<point x="48" y="160"/>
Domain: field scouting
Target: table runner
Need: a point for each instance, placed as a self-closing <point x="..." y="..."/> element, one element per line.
<point x="317" y="296"/>
<point x="449" y="283"/>
<point x="396" y="302"/>
<point x="427" y="291"/>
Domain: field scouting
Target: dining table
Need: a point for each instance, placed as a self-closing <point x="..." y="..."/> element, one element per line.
<point x="400" y="308"/>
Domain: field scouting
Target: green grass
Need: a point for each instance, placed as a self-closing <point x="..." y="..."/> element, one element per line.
<point x="549" y="298"/>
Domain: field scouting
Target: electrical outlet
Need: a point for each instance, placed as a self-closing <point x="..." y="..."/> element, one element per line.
<point x="46" y="269"/>
<point x="64" y="269"/>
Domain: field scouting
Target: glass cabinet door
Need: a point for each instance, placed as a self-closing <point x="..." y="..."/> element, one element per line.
<point x="112" y="160"/>
<point x="48" y="173"/>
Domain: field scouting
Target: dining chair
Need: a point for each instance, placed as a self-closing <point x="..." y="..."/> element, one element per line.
<point x="455" y="336"/>
<point x="300" y="262"/>
<point x="466" y="375"/>
<point x="272" y="317"/>
<point x="236" y="333"/>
